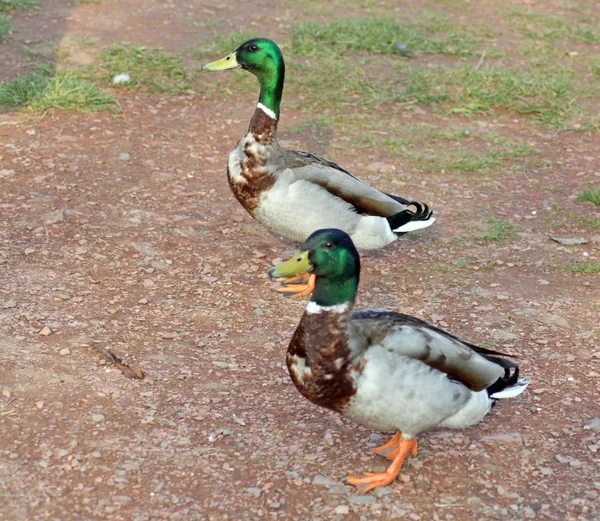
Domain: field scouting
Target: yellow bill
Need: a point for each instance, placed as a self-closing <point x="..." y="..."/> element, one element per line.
<point x="229" y="62"/>
<point x="299" y="263"/>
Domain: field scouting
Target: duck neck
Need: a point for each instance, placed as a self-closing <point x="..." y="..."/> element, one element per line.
<point x="266" y="116"/>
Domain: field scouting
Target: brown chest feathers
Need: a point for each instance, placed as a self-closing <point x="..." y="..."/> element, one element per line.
<point x="250" y="177"/>
<point x="318" y="361"/>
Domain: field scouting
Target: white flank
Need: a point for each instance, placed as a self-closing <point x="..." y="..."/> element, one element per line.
<point x="266" y="110"/>
<point x="415" y="225"/>
<point x="512" y="391"/>
<point x="314" y="308"/>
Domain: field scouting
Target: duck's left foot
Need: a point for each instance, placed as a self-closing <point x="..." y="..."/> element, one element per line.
<point x="389" y="449"/>
<point x="402" y="450"/>
<point x="298" y="286"/>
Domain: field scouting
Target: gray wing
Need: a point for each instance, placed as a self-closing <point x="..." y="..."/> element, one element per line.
<point x="475" y="367"/>
<point x="337" y="181"/>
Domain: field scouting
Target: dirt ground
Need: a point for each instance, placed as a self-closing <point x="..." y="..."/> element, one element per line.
<point x="122" y="230"/>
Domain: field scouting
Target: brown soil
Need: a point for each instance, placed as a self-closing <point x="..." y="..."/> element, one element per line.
<point x="122" y="230"/>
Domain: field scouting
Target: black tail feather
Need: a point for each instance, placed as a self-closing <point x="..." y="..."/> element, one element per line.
<point x="421" y="213"/>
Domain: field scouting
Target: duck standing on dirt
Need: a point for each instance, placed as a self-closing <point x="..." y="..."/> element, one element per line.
<point x="295" y="193"/>
<point x="382" y="369"/>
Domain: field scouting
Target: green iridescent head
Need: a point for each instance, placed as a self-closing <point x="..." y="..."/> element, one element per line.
<point x="262" y="57"/>
<point x="331" y="255"/>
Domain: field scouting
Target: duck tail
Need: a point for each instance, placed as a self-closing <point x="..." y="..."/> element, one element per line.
<point x="409" y="220"/>
<point x="509" y="385"/>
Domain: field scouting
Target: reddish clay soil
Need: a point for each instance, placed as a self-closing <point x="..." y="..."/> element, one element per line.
<point x="122" y="230"/>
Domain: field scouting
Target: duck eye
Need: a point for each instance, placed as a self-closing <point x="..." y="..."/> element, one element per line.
<point x="329" y="245"/>
<point x="253" y="48"/>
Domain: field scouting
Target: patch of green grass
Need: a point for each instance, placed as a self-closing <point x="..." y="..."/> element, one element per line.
<point x="591" y="195"/>
<point x="546" y="94"/>
<point x="378" y="35"/>
<point x="499" y="231"/>
<point x="583" y="267"/>
<point x="584" y="221"/>
<point x="540" y="26"/>
<point x="12" y="5"/>
<point x="4" y="26"/>
<point x="148" y="67"/>
<point x="42" y="90"/>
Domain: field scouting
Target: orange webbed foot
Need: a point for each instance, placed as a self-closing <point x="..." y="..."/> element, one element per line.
<point x="397" y="449"/>
<point x="298" y="286"/>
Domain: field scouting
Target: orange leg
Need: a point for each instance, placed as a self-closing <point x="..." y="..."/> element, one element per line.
<point x="389" y="449"/>
<point x="298" y="286"/>
<point x="371" y="480"/>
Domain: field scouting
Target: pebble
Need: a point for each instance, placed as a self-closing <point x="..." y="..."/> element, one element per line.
<point x="9" y="304"/>
<point x="594" y="425"/>
<point x="45" y="331"/>
<point x="503" y="335"/>
<point x="143" y="301"/>
<point x="362" y="500"/>
<point x="254" y="491"/>
<point x="98" y="418"/>
<point x="124" y="156"/>
<point x="500" y="296"/>
<point x="64" y="351"/>
<point x="320" y="480"/>
<point x="341" y="510"/>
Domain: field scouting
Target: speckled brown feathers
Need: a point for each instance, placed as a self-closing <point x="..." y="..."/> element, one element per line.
<point x="254" y="177"/>
<point x="319" y="363"/>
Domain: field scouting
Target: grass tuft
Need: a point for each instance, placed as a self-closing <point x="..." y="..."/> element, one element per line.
<point x="591" y="195"/>
<point x="149" y="68"/>
<point x="377" y="35"/>
<point x="583" y="267"/>
<point x="4" y="26"/>
<point x="42" y="90"/>
<point x="499" y="231"/>
<point x="6" y="6"/>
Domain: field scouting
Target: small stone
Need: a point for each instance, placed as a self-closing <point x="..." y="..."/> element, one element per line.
<point x="254" y="491"/>
<point x="404" y="51"/>
<point x="362" y="500"/>
<point x="64" y="352"/>
<point x="124" y="156"/>
<point x="6" y="393"/>
<point x="500" y="296"/>
<point x="143" y="301"/>
<point x="220" y="365"/>
<point x="546" y="471"/>
<point x="320" y="480"/>
<point x="594" y="425"/>
<point x="543" y="282"/>
<point x="529" y="513"/>
<point x="29" y="251"/>
<point x="98" y="418"/>
<point x="503" y="335"/>
<point x="509" y="437"/>
<point x="9" y="304"/>
<point x="341" y="510"/>
<point x="45" y="331"/>
<point x="40" y="404"/>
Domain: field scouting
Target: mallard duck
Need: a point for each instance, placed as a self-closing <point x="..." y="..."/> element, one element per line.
<point x="295" y="193"/>
<point x="383" y="369"/>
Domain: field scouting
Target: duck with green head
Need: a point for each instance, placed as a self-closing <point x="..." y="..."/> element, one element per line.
<point x="383" y="369"/>
<point x="295" y="193"/>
